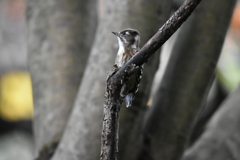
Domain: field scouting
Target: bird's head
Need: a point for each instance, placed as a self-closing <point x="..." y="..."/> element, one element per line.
<point x="128" y="38"/>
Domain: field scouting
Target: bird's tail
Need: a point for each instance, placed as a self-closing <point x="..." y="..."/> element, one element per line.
<point x="129" y="98"/>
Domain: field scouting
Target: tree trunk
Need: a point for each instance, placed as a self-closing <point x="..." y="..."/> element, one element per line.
<point x="60" y="34"/>
<point x="186" y="79"/>
<point x="221" y="140"/>
<point x="215" y="97"/>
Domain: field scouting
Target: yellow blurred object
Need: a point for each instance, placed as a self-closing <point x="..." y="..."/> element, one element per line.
<point x="16" y="101"/>
<point x="149" y="102"/>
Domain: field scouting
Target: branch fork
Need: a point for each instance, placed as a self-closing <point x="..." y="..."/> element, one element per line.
<point x="117" y="76"/>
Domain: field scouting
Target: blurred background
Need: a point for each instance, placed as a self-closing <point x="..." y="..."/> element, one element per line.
<point x="16" y="102"/>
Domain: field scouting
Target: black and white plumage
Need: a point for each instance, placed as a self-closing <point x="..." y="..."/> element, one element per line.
<point x="128" y="40"/>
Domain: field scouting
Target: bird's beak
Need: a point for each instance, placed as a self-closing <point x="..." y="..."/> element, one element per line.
<point x="115" y="33"/>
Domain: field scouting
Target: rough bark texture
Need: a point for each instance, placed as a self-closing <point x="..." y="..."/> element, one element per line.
<point x="189" y="71"/>
<point x="84" y="128"/>
<point x="60" y="34"/>
<point x="112" y="105"/>
<point x="221" y="140"/>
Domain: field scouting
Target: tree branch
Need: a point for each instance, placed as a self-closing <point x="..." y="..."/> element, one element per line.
<point x="164" y="33"/>
<point x="113" y="100"/>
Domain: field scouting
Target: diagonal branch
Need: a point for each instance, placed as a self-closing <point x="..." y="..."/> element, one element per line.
<point x="164" y="33"/>
<point x="113" y="100"/>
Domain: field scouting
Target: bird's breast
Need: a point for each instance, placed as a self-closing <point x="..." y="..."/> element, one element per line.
<point x="123" y="57"/>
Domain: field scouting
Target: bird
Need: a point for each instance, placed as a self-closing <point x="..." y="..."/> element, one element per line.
<point x="128" y="41"/>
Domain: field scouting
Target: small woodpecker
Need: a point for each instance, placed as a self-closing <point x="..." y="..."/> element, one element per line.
<point x="128" y="40"/>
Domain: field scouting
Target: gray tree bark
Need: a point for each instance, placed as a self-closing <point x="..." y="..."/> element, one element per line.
<point x="215" y="97"/>
<point x="186" y="80"/>
<point x="60" y="35"/>
<point x="84" y="128"/>
<point x="221" y="140"/>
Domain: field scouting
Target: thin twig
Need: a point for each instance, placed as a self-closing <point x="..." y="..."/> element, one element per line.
<point x="113" y="100"/>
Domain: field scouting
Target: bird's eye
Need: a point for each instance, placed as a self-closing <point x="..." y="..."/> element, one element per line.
<point x="123" y="33"/>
